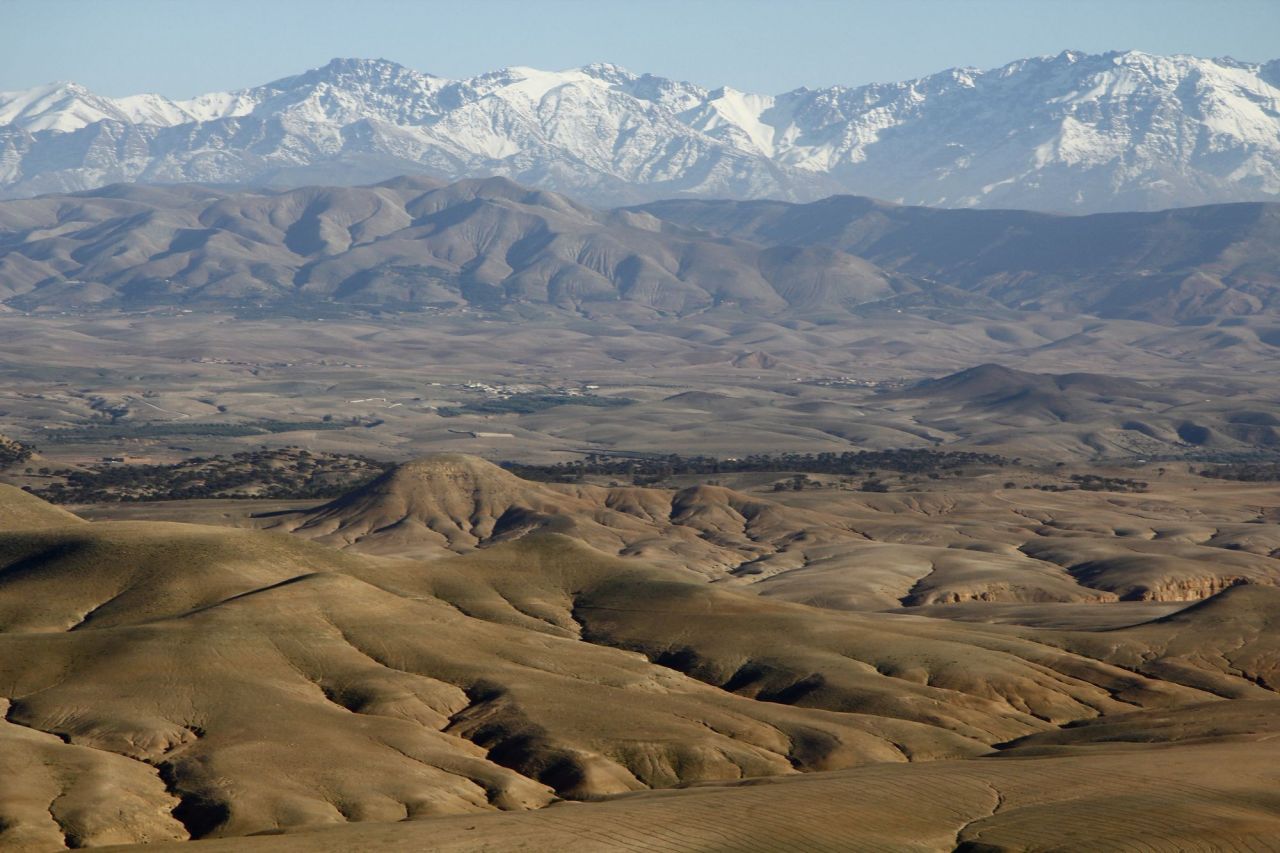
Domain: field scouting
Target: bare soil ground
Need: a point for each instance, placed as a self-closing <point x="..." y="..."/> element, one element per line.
<point x="452" y="657"/>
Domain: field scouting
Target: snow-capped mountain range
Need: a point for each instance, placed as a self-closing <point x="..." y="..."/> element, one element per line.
<point x="1072" y="132"/>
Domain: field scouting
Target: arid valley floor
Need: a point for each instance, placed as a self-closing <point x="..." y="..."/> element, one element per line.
<point x="427" y="516"/>
<point x="1065" y="637"/>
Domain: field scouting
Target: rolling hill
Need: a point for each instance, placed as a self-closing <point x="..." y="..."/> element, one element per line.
<point x="493" y="245"/>
<point x="1182" y="265"/>
<point x="174" y="708"/>
<point x="408" y="243"/>
<point x="860" y="551"/>
<point x="170" y="681"/>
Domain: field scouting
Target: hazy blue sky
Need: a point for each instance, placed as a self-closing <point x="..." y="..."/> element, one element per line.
<point x="182" y="47"/>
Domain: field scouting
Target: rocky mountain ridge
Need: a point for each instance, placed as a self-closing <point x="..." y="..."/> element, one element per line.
<point x="1072" y="132"/>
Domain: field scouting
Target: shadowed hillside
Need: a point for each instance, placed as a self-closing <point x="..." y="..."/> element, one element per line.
<point x="867" y="552"/>
<point x="407" y="243"/>
<point x="1167" y="266"/>
<point x="160" y="678"/>
<point x="411" y="243"/>
<point x="1112" y="415"/>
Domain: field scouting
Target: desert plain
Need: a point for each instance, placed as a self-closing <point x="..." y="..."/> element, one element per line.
<point x="903" y="568"/>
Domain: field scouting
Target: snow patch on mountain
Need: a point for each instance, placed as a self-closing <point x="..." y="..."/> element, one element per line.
<point x="1067" y="132"/>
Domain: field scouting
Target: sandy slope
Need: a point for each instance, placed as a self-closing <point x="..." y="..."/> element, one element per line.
<point x="164" y="680"/>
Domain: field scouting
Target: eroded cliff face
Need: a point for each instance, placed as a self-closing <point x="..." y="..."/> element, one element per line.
<point x="1188" y="589"/>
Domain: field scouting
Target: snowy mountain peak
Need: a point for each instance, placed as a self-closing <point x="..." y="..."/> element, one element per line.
<point x="1071" y="131"/>
<point x="609" y="73"/>
<point x="1270" y="73"/>
<point x="355" y="74"/>
<point x="350" y="67"/>
<point x="60" y="106"/>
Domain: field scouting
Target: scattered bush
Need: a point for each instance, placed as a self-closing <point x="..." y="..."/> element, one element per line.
<point x="646" y="469"/>
<point x="285" y="474"/>
<point x="527" y="404"/>
<point x="14" y="452"/>
<point x="1248" y="472"/>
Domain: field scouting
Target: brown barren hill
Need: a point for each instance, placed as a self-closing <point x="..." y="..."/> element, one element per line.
<point x="848" y="551"/>
<point x="176" y="680"/>
<point x="484" y="243"/>
<point x="20" y="510"/>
